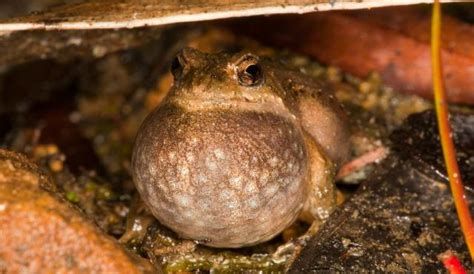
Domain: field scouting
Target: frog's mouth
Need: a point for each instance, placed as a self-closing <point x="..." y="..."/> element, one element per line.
<point x="259" y="104"/>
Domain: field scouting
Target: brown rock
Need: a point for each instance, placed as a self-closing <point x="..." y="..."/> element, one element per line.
<point x="41" y="232"/>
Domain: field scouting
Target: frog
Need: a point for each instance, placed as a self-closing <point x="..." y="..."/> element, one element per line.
<point x="239" y="149"/>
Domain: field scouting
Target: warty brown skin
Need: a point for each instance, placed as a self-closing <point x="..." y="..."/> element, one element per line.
<point x="229" y="158"/>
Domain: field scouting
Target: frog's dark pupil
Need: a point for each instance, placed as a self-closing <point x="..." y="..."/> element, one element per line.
<point x="252" y="75"/>
<point x="253" y="71"/>
<point x="176" y="67"/>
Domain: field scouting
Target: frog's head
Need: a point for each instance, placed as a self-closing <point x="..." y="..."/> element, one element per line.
<point x="241" y="80"/>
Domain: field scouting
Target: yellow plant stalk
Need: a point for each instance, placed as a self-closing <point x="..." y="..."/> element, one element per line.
<point x="447" y="144"/>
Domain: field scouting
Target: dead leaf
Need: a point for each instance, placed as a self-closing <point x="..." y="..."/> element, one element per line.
<point x="393" y="42"/>
<point x="100" y="14"/>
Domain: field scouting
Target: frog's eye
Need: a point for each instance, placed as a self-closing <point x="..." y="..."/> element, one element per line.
<point x="177" y="67"/>
<point x="249" y="71"/>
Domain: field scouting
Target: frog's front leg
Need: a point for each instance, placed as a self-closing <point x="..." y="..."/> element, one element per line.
<point x="321" y="199"/>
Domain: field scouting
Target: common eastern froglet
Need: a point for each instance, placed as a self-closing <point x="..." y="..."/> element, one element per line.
<point x="239" y="148"/>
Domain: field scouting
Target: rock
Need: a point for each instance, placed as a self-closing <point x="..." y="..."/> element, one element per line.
<point x="418" y="143"/>
<point x="403" y="216"/>
<point x="42" y="232"/>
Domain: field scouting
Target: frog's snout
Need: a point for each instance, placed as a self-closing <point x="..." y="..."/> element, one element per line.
<point x="185" y="60"/>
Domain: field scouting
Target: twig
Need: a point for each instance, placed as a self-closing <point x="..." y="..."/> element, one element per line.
<point x="445" y="133"/>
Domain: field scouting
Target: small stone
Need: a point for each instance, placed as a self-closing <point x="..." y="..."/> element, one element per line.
<point x="42" y="232"/>
<point x="56" y="165"/>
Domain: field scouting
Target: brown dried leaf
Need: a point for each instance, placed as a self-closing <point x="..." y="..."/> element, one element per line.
<point x="393" y="42"/>
<point x="137" y="13"/>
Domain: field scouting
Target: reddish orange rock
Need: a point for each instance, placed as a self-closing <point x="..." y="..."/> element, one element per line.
<point x="42" y="233"/>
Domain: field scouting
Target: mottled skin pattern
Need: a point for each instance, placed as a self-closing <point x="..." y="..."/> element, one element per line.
<point x="229" y="158"/>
